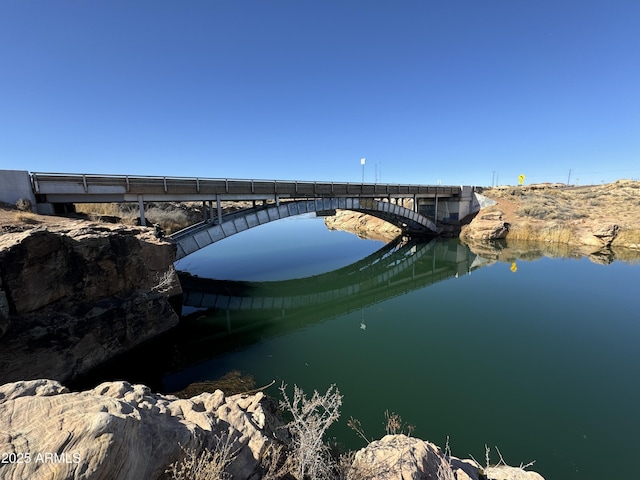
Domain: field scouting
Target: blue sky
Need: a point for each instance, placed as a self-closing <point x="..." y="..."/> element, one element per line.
<point x="456" y="91"/>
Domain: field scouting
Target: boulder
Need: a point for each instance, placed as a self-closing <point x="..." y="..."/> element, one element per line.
<point x="363" y="225"/>
<point x="486" y="226"/>
<point x="399" y="457"/>
<point x="598" y="235"/>
<point x="123" y="431"/>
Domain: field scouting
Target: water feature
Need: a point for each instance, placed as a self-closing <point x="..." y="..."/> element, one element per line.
<point x="535" y="355"/>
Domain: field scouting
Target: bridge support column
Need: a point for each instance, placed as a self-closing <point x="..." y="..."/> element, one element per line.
<point x="143" y="221"/>
<point x="219" y="208"/>
<point x="211" y="210"/>
<point x="435" y="214"/>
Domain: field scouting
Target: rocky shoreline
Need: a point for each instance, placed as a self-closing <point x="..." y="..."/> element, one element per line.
<point x="122" y="431"/>
<point x="593" y="219"/>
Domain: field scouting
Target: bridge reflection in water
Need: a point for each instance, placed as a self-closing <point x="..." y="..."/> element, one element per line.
<point x="245" y="312"/>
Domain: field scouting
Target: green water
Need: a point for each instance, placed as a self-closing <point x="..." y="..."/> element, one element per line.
<point x="542" y="362"/>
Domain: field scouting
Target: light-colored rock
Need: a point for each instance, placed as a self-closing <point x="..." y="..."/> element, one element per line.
<point x="124" y="431"/>
<point x="599" y="235"/>
<point x="363" y="225"/>
<point x="504" y="472"/>
<point x="486" y="226"/>
<point x="399" y="457"/>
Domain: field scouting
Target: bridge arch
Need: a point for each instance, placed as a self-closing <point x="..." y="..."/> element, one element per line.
<point x="204" y="234"/>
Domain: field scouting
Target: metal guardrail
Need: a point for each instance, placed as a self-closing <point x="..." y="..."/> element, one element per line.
<point x="86" y="183"/>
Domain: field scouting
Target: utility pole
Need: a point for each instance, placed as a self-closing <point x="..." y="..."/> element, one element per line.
<point x="362" y="162"/>
<point x="569" y="178"/>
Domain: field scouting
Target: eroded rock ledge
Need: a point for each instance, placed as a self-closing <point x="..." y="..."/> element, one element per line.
<point x="76" y="294"/>
<point x="123" y="431"/>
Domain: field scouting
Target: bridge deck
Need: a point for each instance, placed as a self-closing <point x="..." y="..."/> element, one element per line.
<point x="78" y="188"/>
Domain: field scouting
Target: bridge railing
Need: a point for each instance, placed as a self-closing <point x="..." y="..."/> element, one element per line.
<point x="93" y="183"/>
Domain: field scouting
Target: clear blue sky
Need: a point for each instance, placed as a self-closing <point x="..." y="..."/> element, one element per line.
<point x="449" y="90"/>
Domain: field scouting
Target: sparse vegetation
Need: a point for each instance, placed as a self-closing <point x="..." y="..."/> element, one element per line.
<point x="394" y="425"/>
<point x="170" y="216"/>
<point x="209" y="464"/>
<point x="26" y="217"/>
<point x="311" y="417"/>
<point x="231" y="383"/>
<point x="165" y="281"/>
<point x="558" y="213"/>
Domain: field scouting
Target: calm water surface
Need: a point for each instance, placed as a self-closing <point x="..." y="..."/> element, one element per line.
<point x="542" y="362"/>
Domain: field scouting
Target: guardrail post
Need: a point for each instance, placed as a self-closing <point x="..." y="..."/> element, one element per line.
<point x="435" y="214"/>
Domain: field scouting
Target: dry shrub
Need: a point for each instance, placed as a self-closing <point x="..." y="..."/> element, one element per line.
<point x="170" y="216"/>
<point x="628" y="236"/>
<point x="26" y="217"/>
<point x="111" y="209"/>
<point x="210" y="464"/>
<point x="24" y="205"/>
<point x="311" y="417"/>
<point x="556" y="233"/>
<point x="546" y="207"/>
<point x="394" y="424"/>
<point x="170" y="220"/>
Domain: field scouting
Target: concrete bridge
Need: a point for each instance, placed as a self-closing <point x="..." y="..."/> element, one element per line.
<point x="271" y="200"/>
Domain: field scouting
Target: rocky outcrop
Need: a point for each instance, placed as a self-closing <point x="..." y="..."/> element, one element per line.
<point x="363" y="225"/>
<point x="398" y="457"/>
<point x="79" y="293"/>
<point x="597" y="218"/>
<point x="124" y="431"/>
<point x="600" y="235"/>
<point x="487" y="225"/>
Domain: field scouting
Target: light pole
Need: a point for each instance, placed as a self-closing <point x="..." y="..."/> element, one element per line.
<point x="362" y="162"/>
